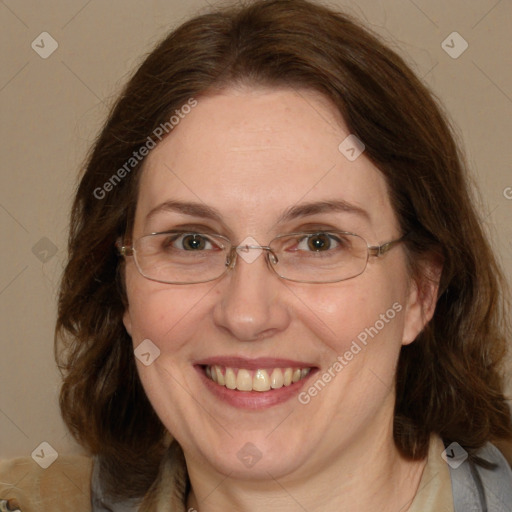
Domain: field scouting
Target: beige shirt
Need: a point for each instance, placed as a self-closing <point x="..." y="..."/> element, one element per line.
<point x="65" y="485"/>
<point x="435" y="489"/>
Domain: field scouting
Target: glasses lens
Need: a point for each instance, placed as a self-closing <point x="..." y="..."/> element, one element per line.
<point x="178" y="257"/>
<point x="321" y="257"/>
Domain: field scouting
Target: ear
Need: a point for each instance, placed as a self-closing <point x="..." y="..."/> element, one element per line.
<point x="127" y="320"/>
<point x="421" y="300"/>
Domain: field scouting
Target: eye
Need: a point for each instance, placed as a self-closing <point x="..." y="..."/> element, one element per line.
<point x="189" y="242"/>
<point x="319" y="242"/>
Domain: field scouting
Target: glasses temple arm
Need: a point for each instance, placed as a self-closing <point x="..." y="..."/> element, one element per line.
<point x="123" y="250"/>
<point x="379" y="250"/>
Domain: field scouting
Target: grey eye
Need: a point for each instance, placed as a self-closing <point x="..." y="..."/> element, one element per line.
<point x="188" y="242"/>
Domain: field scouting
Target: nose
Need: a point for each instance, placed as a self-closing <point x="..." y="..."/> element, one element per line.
<point x="252" y="303"/>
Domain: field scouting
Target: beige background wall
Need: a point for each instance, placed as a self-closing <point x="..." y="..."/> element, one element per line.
<point x="52" y="108"/>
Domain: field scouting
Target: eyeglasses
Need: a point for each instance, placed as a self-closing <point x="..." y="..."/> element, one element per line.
<point x="178" y="257"/>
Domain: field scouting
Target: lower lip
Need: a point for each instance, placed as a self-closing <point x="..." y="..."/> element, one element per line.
<point x="253" y="399"/>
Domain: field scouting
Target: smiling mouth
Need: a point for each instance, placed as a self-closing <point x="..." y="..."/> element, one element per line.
<point x="265" y="379"/>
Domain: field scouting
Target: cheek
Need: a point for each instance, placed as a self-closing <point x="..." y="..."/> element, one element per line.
<point x="161" y="312"/>
<point x="362" y="309"/>
<point x="360" y="327"/>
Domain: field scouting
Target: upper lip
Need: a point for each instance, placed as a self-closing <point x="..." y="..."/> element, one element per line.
<point x="253" y="364"/>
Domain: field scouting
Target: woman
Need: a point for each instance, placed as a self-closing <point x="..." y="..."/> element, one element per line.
<point x="278" y="292"/>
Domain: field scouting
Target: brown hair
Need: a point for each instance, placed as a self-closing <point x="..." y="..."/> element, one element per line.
<point x="448" y="381"/>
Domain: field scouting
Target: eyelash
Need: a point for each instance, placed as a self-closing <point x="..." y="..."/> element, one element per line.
<point x="311" y="227"/>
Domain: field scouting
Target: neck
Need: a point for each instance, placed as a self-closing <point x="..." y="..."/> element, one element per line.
<point x="369" y="475"/>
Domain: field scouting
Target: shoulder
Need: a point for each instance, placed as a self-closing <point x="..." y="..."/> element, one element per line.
<point x="61" y="487"/>
<point x="489" y="485"/>
<point x="497" y="481"/>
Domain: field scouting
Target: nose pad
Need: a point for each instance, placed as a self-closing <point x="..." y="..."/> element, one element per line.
<point x="231" y="259"/>
<point x="272" y="258"/>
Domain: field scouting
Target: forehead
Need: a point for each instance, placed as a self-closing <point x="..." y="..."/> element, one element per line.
<point x="252" y="153"/>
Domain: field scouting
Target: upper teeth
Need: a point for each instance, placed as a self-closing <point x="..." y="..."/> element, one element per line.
<point x="255" y="380"/>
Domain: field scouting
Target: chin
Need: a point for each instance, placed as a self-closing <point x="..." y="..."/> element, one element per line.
<point x="256" y="461"/>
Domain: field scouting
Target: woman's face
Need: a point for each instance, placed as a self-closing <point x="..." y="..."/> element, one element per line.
<point x="251" y="156"/>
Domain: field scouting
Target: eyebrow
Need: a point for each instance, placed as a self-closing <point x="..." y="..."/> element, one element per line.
<point x="186" y="208"/>
<point x="302" y="210"/>
<point x="314" y="208"/>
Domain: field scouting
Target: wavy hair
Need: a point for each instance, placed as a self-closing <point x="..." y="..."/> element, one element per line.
<point x="449" y="381"/>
